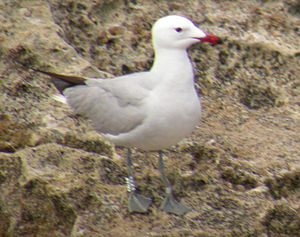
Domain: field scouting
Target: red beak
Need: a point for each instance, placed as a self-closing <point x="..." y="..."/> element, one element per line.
<point x="211" y="39"/>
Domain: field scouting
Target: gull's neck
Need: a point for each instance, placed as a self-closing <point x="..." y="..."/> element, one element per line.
<point x="170" y="62"/>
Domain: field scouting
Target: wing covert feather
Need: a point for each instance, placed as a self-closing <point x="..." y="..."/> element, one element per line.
<point x="111" y="107"/>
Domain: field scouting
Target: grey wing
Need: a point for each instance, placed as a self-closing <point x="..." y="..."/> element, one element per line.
<point x="111" y="110"/>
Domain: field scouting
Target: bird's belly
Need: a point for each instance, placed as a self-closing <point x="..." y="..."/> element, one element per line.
<point x="163" y="136"/>
<point x="165" y="127"/>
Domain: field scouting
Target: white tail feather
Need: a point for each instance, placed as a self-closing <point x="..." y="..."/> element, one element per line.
<point x="60" y="98"/>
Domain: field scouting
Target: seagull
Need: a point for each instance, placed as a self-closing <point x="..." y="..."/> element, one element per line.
<point x="149" y="110"/>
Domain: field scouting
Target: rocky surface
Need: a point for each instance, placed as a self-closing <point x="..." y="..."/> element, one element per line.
<point x="240" y="169"/>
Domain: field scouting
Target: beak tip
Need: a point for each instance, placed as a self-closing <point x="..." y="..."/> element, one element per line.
<point x="212" y="39"/>
<point x="219" y="41"/>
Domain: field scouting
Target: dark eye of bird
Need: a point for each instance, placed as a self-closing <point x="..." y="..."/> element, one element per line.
<point x="178" y="29"/>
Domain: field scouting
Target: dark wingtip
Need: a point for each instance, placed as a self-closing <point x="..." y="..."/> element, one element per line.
<point x="61" y="81"/>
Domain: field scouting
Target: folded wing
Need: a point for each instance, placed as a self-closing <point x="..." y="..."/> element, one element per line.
<point x="114" y="106"/>
<point x="109" y="110"/>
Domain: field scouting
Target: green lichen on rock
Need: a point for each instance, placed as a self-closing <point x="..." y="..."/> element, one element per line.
<point x="284" y="185"/>
<point x="282" y="220"/>
<point x="13" y="134"/>
<point x="239" y="177"/>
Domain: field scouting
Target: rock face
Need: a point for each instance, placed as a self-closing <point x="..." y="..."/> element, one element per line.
<point x="239" y="171"/>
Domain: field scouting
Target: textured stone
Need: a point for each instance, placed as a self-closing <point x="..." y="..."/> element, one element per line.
<point x="239" y="170"/>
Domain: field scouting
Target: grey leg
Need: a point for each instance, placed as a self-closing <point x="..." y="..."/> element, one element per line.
<point x="170" y="204"/>
<point x="136" y="202"/>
